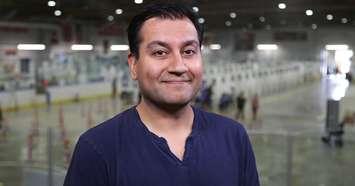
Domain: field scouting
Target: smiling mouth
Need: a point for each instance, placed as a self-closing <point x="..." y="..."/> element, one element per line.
<point x="176" y="82"/>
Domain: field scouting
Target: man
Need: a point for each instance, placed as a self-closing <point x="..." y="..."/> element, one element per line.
<point x="164" y="141"/>
<point x="255" y="106"/>
<point x="1" y="118"/>
<point x="336" y="85"/>
<point x="241" y="100"/>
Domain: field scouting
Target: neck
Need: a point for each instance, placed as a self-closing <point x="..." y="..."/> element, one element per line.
<point x="160" y="120"/>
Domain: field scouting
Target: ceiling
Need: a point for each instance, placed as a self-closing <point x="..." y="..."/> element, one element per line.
<point x="250" y="14"/>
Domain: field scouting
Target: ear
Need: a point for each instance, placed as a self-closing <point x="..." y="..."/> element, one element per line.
<point x="132" y="63"/>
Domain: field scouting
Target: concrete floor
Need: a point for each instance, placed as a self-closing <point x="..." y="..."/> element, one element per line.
<point x="286" y="140"/>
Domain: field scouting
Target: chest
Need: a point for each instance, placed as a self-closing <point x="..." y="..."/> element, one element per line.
<point x="204" y="163"/>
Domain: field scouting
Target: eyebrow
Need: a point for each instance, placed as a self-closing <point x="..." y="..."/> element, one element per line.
<point x="166" y="45"/>
<point x="161" y="43"/>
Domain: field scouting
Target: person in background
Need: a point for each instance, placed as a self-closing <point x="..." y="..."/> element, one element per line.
<point x="47" y="93"/>
<point x="255" y="106"/>
<point x="164" y="141"/>
<point x="3" y="126"/>
<point x="337" y="85"/>
<point x="48" y="99"/>
<point x="1" y="118"/>
<point x="241" y="100"/>
<point x="114" y="88"/>
<point x="349" y="77"/>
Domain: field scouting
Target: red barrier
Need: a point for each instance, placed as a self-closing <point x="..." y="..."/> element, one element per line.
<point x="67" y="152"/>
<point x="29" y="147"/>
<point x="64" y="138"/>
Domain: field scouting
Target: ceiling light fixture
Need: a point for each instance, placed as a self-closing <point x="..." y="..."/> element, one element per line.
<point x="201" y="20"/>
<point x="110" y="18"/>
<point x="195" y="9"/>
<point x="309" y="12"/>
<point x="81" y="47"/>
<point x="282" y="6"/>
<point x="329" y="17"/>
<point x="138" y="1"/>
<point x="336" y="47"/>
<point x="51" y="3"/>
<point x="57" y="13"/>
<point x="215" y="46"/>
<point x="228" y="23"/>
<point x="267" y="47"/>
<point x="119" y="47"/>
<point x="31" y="47"/>
<point x="233" y="15"/>
<point x="119" y="11"/>
<point x="344" y="20"/>
<point x="262" y="19"/>
<point x="314" y="26"/>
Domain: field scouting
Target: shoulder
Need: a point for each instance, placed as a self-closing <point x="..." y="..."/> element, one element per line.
<point x="109" y="125"/>
<point x="219" y="123"/>
<point x="106" y="134"/>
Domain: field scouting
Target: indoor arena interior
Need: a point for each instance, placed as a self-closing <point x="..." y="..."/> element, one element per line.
<point x="281" y="68"/>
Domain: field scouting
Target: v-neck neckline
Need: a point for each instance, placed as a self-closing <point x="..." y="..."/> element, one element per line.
<point x="161" y="142"/>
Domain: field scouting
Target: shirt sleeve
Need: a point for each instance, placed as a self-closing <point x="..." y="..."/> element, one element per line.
<point x="87" y="167"/>
<point x="251" y="177"/>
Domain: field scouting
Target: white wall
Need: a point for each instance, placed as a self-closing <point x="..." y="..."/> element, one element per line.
<point x="59" y="93"/>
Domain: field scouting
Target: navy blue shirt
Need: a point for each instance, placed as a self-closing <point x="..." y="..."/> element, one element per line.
<point x="123" y="152"/>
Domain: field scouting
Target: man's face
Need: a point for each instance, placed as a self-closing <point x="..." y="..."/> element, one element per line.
<point x="169" y="67"/>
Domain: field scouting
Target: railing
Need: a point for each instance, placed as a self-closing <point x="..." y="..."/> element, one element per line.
<point x="303" y="159"/>
<point x="283" y="159"/>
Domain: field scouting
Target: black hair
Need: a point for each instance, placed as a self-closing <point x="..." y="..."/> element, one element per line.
<point x="162" y="10"/>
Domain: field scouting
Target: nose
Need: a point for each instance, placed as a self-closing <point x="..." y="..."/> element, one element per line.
<point x="177" y="65"/>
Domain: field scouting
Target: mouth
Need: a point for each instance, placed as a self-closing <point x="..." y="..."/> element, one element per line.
<point x="177" y="81"/>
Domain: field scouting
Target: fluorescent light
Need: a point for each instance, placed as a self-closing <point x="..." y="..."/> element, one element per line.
<point x="195" y="9"/>
<point x="119" y="47"/>
<point x="31" y="47"/>
<point x="267" y="47"/>
<point x="282" y="6"/>
<point x="138" y="1"/>
<point x="233" y="15"/>
<point x="57" y="13"/>
<point x="81" y="47"/>
<point x="215" y="46"/>
<point x="330" y="17"/>
<point x="336" y="47"/>
<point x="309" y="12"/>
<point x="119" y="11"/>
<point x="51" y="3"/>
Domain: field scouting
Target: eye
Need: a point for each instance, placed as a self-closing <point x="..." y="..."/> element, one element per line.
<point x="189" y="52"/>
<point x="159" y="53"/>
